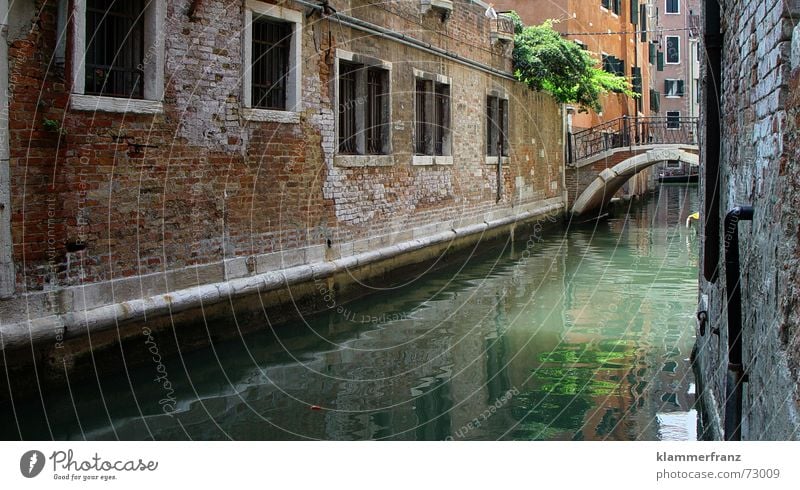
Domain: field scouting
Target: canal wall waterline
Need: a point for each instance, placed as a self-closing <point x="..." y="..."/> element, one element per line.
<point x="63" y="342"/>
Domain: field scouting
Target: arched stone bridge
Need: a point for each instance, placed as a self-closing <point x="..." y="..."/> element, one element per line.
<point x="602" y="159"/>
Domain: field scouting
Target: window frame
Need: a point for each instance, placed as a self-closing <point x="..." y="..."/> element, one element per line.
<point x="666" y="8"/>
<point x="432" y="81"/>
<point x="666" y="50"/>
<point x="294" y="100"/>
<point x="152" y="65"/>
<point x="677" y="124"/>
<point x="502" y="99"/>
<point x="676" y="83"/>
<point x="361" y="157"/>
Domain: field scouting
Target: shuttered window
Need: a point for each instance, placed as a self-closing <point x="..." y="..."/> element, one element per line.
<point x="496" y="126"/>
<point x="432" y="118"/>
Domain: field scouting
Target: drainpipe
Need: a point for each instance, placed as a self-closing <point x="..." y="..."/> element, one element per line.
<point x="736" y="371"/>
<point x="401" y="38"/>
<point x="7" y="279"/>
<point x="713" y="39"/>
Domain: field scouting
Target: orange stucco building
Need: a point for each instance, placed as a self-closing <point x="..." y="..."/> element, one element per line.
<point x="608" y="28"/>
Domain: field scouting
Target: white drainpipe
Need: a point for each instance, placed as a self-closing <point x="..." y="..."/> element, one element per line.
<point x="7" y="279"/>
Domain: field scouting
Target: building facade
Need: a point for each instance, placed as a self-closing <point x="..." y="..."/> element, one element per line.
<point x="162" y="155"/>
<point x="612" y="30"/>
<point x="747" y="355"/>
<point x="676" y="38"/>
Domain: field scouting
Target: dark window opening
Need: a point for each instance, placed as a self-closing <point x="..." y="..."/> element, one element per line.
<point x="496" y="126"/>
<point x="363" y="109"/>
<point x="673" y="49"/>
<point x="673" y="7"/>
<point x="270" y="68"/>
<point x="347" y="108"/>
<point x="432" y="118"/>
<point x="673" y="120"/>
<point x="115" y="48"/>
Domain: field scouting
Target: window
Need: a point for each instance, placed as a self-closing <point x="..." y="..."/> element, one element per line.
<point x="673" y="7"/>
<point x="614" y="65"/>
<point x="673" y="88"/>
<point x="673" y="164"/>
<point x="114" y="48"/>
<point x="612" y="5"/>
<point x="673" y="50"/>
<point x="272" y="63"/>
<point x="362" y="106"/>
<point x="638" y="86"/>
<point x="673" y="120"/>
<point x="118" y="56"/>
<point x="655" y="101"/>
<point x="432" y="116"/>
<point x="496" y="126"/>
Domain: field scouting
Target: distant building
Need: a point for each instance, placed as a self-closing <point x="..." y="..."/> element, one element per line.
<point x="608" y="28"/>
<point x="675" y="37"/>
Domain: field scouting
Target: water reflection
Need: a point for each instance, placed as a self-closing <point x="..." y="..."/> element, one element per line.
<point x="584" y="335"/>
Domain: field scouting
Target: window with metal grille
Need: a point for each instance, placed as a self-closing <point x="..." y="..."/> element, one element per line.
<point x="270" y="63"/>
<point x="114" y="48"/>
<point x="347" y="108"/>
<point x="673" y="7"/>
<point x="673" y="49"/>
<point x="496" y="126"/>
<point x="432" y="118"/>
<point x="363" y="108"/>
<point x="673" y="120"/>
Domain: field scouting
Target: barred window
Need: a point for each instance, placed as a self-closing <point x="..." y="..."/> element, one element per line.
<point x="114" y="48"/>
<point x="673" y="120"/>
<point x="496" y="126"/>
<point x="432" y="118"/>
<point x="363" y="109"/>
<point x="270" y="63"/>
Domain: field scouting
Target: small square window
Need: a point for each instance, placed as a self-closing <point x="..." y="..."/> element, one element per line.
<point x="673" y="7"/>
<point x="673" y="120"/>
<point x="674" y="88"/>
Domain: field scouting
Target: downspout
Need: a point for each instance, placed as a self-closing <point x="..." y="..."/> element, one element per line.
<point x="710" y="176"/>
<point x="736" y="372"/>
<point x="7" y="278"/>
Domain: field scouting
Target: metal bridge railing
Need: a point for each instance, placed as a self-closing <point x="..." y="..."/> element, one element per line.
<point x="629" y="132"/>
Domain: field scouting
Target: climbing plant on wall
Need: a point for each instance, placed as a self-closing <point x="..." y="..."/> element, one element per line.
<point x="544" y="60"/>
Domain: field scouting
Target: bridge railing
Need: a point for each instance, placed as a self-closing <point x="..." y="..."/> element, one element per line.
<point x="629" y="132"/>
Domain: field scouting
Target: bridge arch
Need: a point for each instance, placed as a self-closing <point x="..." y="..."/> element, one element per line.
<point x="610" y="180"/>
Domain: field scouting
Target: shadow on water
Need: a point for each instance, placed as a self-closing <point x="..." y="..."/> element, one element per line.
<point x="582" y="334"/>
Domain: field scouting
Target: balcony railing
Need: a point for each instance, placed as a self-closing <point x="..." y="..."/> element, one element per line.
<point x="630" y="132"/>
<point x="502" y="29"/>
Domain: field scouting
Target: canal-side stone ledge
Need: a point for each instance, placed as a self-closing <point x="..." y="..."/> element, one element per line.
<point x="87" y="313"/>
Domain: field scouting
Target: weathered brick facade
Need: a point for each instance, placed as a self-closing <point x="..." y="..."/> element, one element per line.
<point x="758" y="167"/>
<point x="113" y="207"/>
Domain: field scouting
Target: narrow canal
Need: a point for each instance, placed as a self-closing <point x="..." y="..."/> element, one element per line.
<point x="578" y="334"/>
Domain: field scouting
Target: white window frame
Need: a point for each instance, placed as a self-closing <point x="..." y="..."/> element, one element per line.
<point x="667" y="12"/>
<point x="447" y="158"/>
<point x="676" y="83"/>
<point x="294" y="100"/>
<point x="666" y="50"/>
<point x="365" y="160"/>
<point x="673" y="115"/>
<point x="153" y="66"/>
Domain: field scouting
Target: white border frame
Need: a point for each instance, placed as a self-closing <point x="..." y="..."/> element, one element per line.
<point x="154" y="59"/>
<point x="667" y="115"/>
<point x="672" y="13"/>
<point x="294" y="99"/>
<point x="666" y="51"/>
<point x="676" y="80"/>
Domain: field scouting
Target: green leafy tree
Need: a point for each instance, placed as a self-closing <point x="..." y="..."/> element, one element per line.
<point x="544" y="60"/>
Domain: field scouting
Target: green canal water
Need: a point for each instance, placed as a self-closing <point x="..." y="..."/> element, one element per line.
<point x="578" y="333"/>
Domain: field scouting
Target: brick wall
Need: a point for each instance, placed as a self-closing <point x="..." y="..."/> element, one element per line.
<point x="759" y="168"/>
<point x="110" y="196"/>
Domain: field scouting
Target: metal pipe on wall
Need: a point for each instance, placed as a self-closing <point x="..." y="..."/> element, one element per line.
<point x="736" y="372"/>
